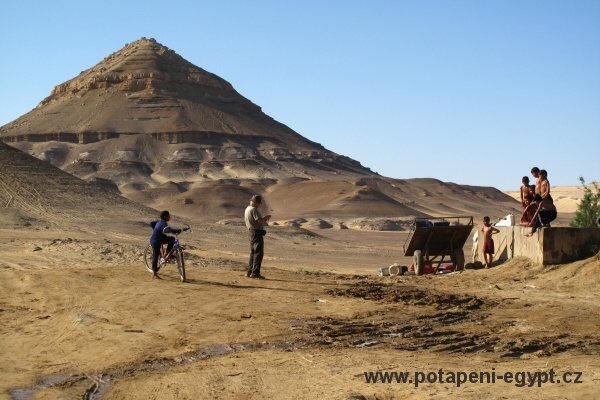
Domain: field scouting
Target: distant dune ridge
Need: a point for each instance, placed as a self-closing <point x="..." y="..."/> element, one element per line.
<point x="153" y="127"/>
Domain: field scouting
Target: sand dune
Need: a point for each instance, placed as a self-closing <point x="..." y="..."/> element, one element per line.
<point x="35" y="194"/>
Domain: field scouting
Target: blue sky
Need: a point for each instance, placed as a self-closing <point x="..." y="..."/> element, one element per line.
<point x="471" y="92"/>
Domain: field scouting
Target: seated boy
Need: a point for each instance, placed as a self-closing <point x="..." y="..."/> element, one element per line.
<point x="529" y="210"/>
<point x="544" y="214"/>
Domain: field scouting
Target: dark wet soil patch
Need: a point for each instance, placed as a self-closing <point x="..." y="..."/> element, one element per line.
<point x="544" y="346"/>
<point x="94" y="386"/>
<point x="417" y="319"/>
<point x="393" y="328"/>
<point x="409" y="295"/>
<point x="421" y="319"/>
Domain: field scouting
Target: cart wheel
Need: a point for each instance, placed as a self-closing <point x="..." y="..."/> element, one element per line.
<point x="419" y="264"/>
<point x="458" y="259"/>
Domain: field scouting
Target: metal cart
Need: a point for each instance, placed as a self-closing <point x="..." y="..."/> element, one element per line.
<point x="430" y="238"/>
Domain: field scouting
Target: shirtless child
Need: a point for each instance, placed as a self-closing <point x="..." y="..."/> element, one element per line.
<point x="526" y="189"/>
<point x="545" y="186"/>
<point x="529" y="211"/>
<point x="544" y="214"/>
<point x="488" y="242"/>
<point x="535" y="171"/>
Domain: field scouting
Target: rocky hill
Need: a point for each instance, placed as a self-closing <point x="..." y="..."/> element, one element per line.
<point x="149" y="125"/>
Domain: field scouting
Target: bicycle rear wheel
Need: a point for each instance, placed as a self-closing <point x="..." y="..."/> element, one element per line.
<point x="148" y="255"/>
<point x="180" y="264"/>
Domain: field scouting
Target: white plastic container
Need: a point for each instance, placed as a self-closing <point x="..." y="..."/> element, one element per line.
<point x="392" y="270"/>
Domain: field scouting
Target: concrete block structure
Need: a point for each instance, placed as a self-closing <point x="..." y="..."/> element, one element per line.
<point x="546" y="246"/>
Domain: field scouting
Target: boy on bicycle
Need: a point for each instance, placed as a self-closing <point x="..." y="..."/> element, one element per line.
<point x="158" y="238"/>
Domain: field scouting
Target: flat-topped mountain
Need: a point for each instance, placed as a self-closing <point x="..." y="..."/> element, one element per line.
<point x="148" y="124"/>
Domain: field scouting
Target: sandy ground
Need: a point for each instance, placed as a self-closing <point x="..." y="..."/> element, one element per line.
<point x="80" y="317"/>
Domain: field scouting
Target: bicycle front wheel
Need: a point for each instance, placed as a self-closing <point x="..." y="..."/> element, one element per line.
<point x="180" y="264"/>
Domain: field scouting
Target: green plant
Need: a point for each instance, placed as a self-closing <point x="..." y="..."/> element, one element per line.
<point x="588" y="209"/>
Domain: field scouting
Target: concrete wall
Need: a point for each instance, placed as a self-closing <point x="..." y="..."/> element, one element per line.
<point x="546" y="246"/>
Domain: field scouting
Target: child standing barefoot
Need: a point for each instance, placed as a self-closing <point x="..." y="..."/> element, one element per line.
<point x="488" y="242"/>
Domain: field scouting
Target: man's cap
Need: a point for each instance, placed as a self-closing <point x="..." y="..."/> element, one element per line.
<point x="256" y="199"/>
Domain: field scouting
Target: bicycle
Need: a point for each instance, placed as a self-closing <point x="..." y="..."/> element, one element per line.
<point x="176" y="252"/>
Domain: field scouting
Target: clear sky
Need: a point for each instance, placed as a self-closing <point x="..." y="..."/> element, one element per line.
<point x="472" y="92"/>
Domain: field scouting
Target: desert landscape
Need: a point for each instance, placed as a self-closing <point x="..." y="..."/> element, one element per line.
<point x="80" y="316"/>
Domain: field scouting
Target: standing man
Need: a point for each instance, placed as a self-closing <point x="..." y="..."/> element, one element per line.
<point x="254" y="223"/>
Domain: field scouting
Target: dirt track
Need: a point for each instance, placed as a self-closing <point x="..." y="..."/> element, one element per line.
<point x="80" y="316"/>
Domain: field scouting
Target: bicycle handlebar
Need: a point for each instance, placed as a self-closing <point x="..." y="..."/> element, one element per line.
<point x="184" y="229"/>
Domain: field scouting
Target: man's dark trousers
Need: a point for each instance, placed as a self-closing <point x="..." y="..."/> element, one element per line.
<point x="256" y="251"/>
